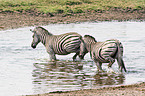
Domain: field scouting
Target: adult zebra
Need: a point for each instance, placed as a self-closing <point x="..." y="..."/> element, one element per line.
<point x="57" y="44"/>
<point x="103" y="52"/>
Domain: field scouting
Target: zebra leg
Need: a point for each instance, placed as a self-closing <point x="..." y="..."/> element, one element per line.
<point x="99" y="66"/>
<point x="52" y="57"/>
<point x="51" y="54"/>
<point x="110" y="65"/>
<point x="111" y="61"/>
<point x="74" y="57"/>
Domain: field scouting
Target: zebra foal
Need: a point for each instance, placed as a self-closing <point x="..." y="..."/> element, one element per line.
<point x="103" y="52"/>
<point x="57" y="44"/>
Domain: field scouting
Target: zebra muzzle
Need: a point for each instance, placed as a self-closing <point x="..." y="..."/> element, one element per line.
<point x="33" y="46"/>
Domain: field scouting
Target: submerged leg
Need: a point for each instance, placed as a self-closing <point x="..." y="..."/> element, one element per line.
<point x="109" y="67"/>
<point x="99" y="66"/>
<point x="74" y="57"/>
<point x="111" y="61"/>
<point x="52" y="56"/>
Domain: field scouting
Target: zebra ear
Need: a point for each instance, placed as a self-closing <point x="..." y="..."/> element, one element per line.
<point x="81" y="39"/>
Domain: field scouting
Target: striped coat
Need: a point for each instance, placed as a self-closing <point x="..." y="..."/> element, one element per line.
<point x="103" y="52"/>
<point x="57" y="44"/>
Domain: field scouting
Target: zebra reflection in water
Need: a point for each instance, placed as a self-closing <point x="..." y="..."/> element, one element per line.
<point x="103" y="52"/>
<point x="57" y="76"/>
<point x="65" y="76"/>
<point x="57" y="44"/>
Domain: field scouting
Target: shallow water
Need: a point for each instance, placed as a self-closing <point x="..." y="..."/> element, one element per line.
<point x="24" y="70"/>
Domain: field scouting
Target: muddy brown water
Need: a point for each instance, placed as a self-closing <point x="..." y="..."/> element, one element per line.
<point x="25" y="71"/>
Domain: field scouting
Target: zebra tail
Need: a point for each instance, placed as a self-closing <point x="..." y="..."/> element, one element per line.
<point x="123" y="65"/>
<point x="119" y="57"/>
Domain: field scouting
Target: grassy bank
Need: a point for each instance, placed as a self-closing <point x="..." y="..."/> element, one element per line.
<point x="68" y="6"/>
<point x="20" y="13"/>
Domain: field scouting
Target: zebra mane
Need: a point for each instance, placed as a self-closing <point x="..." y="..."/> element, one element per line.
<point x="44" y="30"/>
<point x="90" y="37"/>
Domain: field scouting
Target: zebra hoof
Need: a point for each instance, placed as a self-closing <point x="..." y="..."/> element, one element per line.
<point x="33" y="46"/>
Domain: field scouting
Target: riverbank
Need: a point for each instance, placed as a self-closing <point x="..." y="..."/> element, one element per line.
<point x="123" y="90"/>
<point x="10" y="20"/>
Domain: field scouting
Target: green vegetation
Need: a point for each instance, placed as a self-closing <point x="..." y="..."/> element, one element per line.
<point x="68" y="6"/>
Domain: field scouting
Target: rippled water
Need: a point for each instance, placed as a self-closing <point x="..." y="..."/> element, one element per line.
<point x="24" y="70"/>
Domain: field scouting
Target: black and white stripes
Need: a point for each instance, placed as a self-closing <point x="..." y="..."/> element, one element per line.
<point x="66" y="43"/>
<point x="107" y="49"/>
<point x="103" y="52"/>
<point x="100" y="52"/>
<point x="57" y="44"/>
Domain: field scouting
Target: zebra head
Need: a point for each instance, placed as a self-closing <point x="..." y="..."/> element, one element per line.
<point x="85" y="45"/>
<point x="39" y="35"/>
<point x="83" y="50"/>
<point x="36" y="38"/>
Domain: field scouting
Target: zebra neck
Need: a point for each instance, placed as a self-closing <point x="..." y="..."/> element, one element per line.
<point x="90" y="46"/>
<point x="43" y="39"/>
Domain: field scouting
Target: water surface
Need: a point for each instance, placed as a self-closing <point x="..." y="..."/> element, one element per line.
<point x="25" y="71"/>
